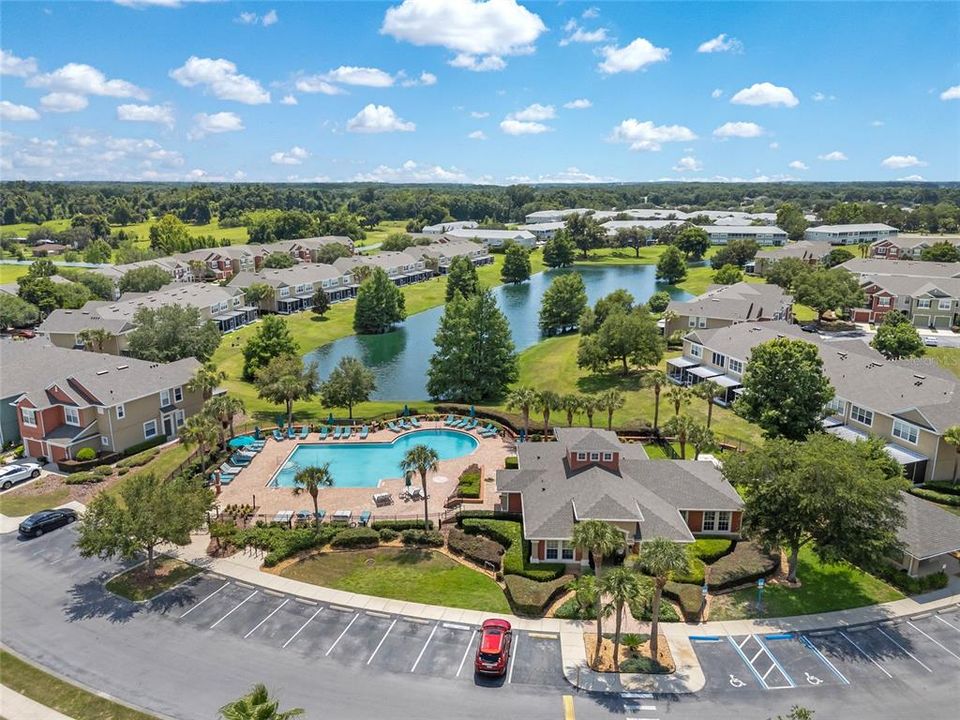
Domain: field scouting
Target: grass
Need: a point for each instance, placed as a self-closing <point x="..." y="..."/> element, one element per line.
<point x="72" y="701"/>
<point x="657" y="452"/>
<point x="382" y="231"/>
<point x="414" y="575"/>
<point x="824" y="588"/>
<point x="135" y="584"/>
<point x="947" y="358"/>
<point x="10" y="273"/>
<point x="19" y="505"/>
<point x="516" y="559"/>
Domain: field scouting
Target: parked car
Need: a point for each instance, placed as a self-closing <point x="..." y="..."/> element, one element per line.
<point x="930" y="341"/>
<point x="10" y="475"/>
<point x="46" y="520"/>
<point x="493" y="652"/>
<point x="810" y="327"/>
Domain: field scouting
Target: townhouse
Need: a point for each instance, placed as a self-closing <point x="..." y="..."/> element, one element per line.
<point x="544" y="231"/>
<point x="613" y="226"/>
<point x="308" y="249"/>
<point x="441" y="228"/>
<point x="909" y="406"/>
<point x="809" y="252"/>
<point x="103" y="402"/>
<point x="852" y="234"/>
<point x="908" y="247"/>
<point x="927" y="302"/>
<point x="401" y="267"/>
<point x="589" y="474"/>
<point x="495" y="238"/>
<point x="294" y="287"/>
<point x="542" y="216"/>
<point x="874" y="267"/>
<point x="63" y="328"/>
<point x="724" y="305"/>
<point x="761" y="234"/>
<point x="442" y="253"/>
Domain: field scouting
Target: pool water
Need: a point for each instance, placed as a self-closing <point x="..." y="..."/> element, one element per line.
<point x="241" y="441"/>
<point x="356" y="464"/>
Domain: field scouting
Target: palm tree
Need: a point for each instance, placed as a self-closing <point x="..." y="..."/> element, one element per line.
<point x="257" y="705"/>
<point x="522" y="398"/>
<point x="207" y="379"/>
<point x="258" y="292"/>
<point x="95" y="338"/>
<point x="546" y="402"/>
<point x="590" y="406"/>
<point x="224" y="408"/>
<point x="656" y="379"/>
<point x="310" y="480"/>
<point x="680" y="427"/>
<point x="622" y="586"/>
<point x="200" y="430"/>
<point x="585" y="592"/>
<point x="701" y="437"/>
<point x="679" y="396"/>
<point x="421" y="459"/>
<point x="611" y="400"/>
<point x="571" y="403"/>
<point x="952" y="437"/>
<point x="600" y="539"/>
<point x="707" y="390"/>
<point x="661" y="559"/>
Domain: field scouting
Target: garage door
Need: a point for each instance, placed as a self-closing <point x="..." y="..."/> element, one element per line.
<point x="941" y="321"/>
<point x="921" y="320"/>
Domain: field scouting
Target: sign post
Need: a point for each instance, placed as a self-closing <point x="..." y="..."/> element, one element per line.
<point x="760" y="584"/>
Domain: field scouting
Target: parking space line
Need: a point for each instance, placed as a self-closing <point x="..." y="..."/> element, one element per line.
<point x="754" y="658"/>
<point x="466" y="652"/>
<point x="377" y="648"/>
<point x="424" y="648"/>
<point x="776" y="662"/>
<point x="880" y="630"/>
<point x="309" y="620"/>
<point x="745" y="641"/>
<point x="568" y="713"/>
<point x="455" y="626"/>
<point x="937" y="642"/>
<point x="513" y="659"/>
<point x="739" y="649"/>
<point x="204" y="600"/>
<point x="806" y="641"/>
<point x="542" y="636"/>
<point x="237" y="607"/>
<point x="948" y="624"/>
<point x="340" y="637"/>
<point x="266" y="618"/>
<point x="864" y="653"/>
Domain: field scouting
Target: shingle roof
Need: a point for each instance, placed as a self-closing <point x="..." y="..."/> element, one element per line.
<point x="852" y="227"/>
<point x="803" y="249"/>
<point x="483" y="234"/>
<point x="740" y="301"/>
<point x="915" y="286"/>
<point x="73" y="321"/>
<point x="915" y="268"/>
<point x="300" y="274"/>
<point x="744" y="230"/>
<point x="928" y="530"/>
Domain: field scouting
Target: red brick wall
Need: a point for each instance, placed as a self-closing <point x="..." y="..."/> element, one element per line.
<point x="695" y="520"/>
<point x="514" y="502"/>
<point x="577" y="464"/>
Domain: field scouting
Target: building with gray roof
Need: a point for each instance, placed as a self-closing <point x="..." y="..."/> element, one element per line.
<point x="929" y="536"/>
<point x="852" y="234"/>
<point x="875" y="267"/>
<point x="294" y="287"/>
<point x="723" y="305"/>
<point x="927" y="302"/>
<point x="444" y="227"/>
<point x="909" y="247"/>
<point x="495" y="238"/>
<point x="809" y="252"/>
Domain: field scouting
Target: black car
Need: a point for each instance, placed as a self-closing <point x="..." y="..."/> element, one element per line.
<point x="45" y="521"/>
<point x="810" y="327"/>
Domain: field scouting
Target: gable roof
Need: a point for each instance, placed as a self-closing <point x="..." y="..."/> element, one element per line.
<point x="912" y="268"/>
<point x="740" y="301"/>
<point x="804" y="249"/>
<point x="851" y="228"/>
<point x="928" y="530"/>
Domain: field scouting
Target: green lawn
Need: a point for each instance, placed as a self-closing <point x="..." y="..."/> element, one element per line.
<point x="72" y="701"/>
<point x="382" y="231"/>
<point x="415" y="575"/>
<point x="948" y="358"/>
<point x="136" y="585"/>
<point x="10" y="273"/>
<point x="19" y="505"/>
<point x="824" y="588"/>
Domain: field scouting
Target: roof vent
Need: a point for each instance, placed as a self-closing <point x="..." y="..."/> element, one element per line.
<point x="122" y="367"/>
<point x="102" y="372"/>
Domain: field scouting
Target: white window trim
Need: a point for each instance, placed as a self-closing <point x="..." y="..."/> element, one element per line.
<point x="724" y="517"/>
<point x="923" y="303"/>
<point x="865" y="411"/>
<point x="121" y="411"/>
<point x="567" y="550"/>
<point x="28" y="413"/>
<point x="701" y="321"/>
<point x="155" y="429"/>
<point x="712" y="514"/>
<point x="582" y="456"/>
<point x="909" y="427"/>
<point x="739" y="366"/>
<point x="945" y="304"/>
<point x="104" y="441"/>
<point x="551" y="546"/>
<point x="696" y="350"/>
<point x="608" y="457"/>
<point x="164" y="398"/>
<point x="178" y="394"/>
<point x="67" y="410"/>
<point x="594" y="456"/>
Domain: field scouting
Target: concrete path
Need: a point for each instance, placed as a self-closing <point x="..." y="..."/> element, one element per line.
<point x="14" y="706"/>
<point x="10" y="524"/>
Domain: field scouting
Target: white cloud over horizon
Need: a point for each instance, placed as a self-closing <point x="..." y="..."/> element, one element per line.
<point x="630" y="58"/>
<point x="739" y="130"/>
<point x="374" y="119"/>
<point x="765" y="93"/>
<point x="220" y="78"/>
<point x="214" y="123"/>
<point x="647" y="136"/>
<point x="899" y="162"/>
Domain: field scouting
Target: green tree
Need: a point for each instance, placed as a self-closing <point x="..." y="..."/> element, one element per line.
<point x="797" y="713"/>
<point x="285" y="379"/>
<point x="516" y="265"/>
<point x="257" y="292"/>
<point x="701" y="438"/>
<point x="736" y="252"/>
<point x="71" y="295"/>
<point x="590" y="404"/>
<point x="271" y="339"/>
<point x="790" y="219"/>
<point x="835" y="257"/>
<point x="662" y="560"/>
<point x="380" y="304"/>
<point x="99" y="251"/>
<point x="679" y="396"/>
<point x="321" y="302"/>
<point x="896" y="338"/>
<point x="671" y="267"/>
<point x="95" y="338"/>
<point x="611" y="400"/>
<point x="349" y="383"/>
<point x="786" y="272"/>
<point x="784" y="388"/>
<point x="99" y="285"/>
<point x="144" y="279"/>
<point x="522" y="398"/>
<point x="42" y="268"/>
<point x="941" y="252"/>
<point x="623" y="587"/>
<point x="203" y="431"/>
<point x="585" y="592"/>
<point x="16" y="312"/>
<point x="397" y="242"/>
<point x="224" y="409"/>
<point x="707" y="391"/>
<point x="172" y="332"/>
<point x="599" y="539"/>
<point x="279" y="261"/>
<point x="656" y="380"/>
<point x="586" y="233"/>
<point x="842" y="499"/>
<point x="728" y="275"/>
<point x="332" y="251"/>
<point x="421" y="459"/>
<point x="559" y="251"/>
<point x="623" y="337"/>
<point x="40" y="292"/>
<point x="633" y="237"/>
<point x="658" y="301"/>
<point x="462" y="278"/>
<point x="825" y="290"/>
<point x="571" y="404"/>
<point x="169" y="235"/>
<point x="692" y="241"/>
<point x="547" y="401"/>
<point x="680" y="427"/>
<point x="206" y="379"/>
<point x="563" y="303"/>
<point x="147" y="512"/>
<point x="257" y="705"/>
<point x="952" y="437"/>
<point x="310" y="480"/>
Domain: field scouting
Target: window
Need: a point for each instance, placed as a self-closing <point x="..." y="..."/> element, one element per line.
<point x="880" y="251"/>
<point x="709" y="521"/>
<point x="692" y="321"/>
<point x="861" y="415"/>
<point x="178" y="394"/>
<point x="701" y="322"/>
<point x="736" y="366"/>
<point x="566" y="550"/>
<point x="837" y="406"/>
<point x="608" y="457"/>
<point x="71" y="416"/>
<point x="594" y="456"/>
<point x="723" y="522"/>
<point x="906" y="431"/>
<point x="121" y="412"/>
<point x="719" y="360"/>
<point x="284" y="292"/>
<point x="178" y="418"/>
<point x="149" y="429"/>
<point x="104" y="441"/>
<point x="945" y="304"/>
<point x="553" y="550"/>
<point x="923" y="303"/>
<point x="581" y="456"/>
<point x="883" y="301"/>
<point x="164" y="398"/>
<point x="696" y="350"/>
<point x="29" y="417"/>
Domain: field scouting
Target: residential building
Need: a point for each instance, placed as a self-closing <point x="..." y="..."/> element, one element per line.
<point x="46" y="248"/>
<point x="64" y="327"/>
<point x="545" y="230"/>
<point x="909" y="247"/>
<point x="810" y="252"/>
<point x="307" y="249"/>
<point x="909" y="406"/>
<point x="294" y="287"/>
<point x="876" y="267"/>
<point x="852" y="234"/>
<point x="929" y="537"/>
<point x="442" y="253"/>
<point x="589" y="474"/>
<point x="22" y="363"/>
<point x="441" y="228"/>
<point x="495" y="238"/>
<point x="927" y="302"/>
<point x="542" y="216"/>
<point x="401" y="267"/>
<point x="724" y="305"/>
<point x="761" y="234"/>
<point x="613" y="226"/>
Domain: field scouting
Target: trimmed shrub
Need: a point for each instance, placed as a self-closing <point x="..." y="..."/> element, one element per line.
<point x="529" y="597"/>
<point x="944" y="486"/>
<point x="83" y="478"/>
<point x="360" y="537"/>
<point x="509" y="534"/>
<point x="640" y="609"/>
<point x="86" y="453"/>
<point x="18" y="452"/>
<point x="909" y="585"/>
<point x="747" y="563"/>
<point x="511" y="463"/>
<point x="138" y="460"/>
<point x="643" y="664"/>
<point x="696" y="571"/>
<point x="690" y="598"/>
<point x="400" y="525"/>
<point x="468" y="486"/>
<point x="145" y="445"/>
<point x="388" y="534"/>
<point x="476" y="548"/>
<point x="103" y="470"/>
<point x="936" y="496"/>
<point x="122" y="471"/>
<point x="421" y="538"/>
<point x="279" y="541"/>
<point x="711" y="549"/>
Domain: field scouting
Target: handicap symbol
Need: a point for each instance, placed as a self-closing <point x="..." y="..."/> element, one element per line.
<point x="813" y="679"/>
<point x="736" y="682"/>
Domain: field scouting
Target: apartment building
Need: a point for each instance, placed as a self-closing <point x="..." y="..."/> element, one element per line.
<point x="441" y="228"/>
<point x="495" y="238"/>
<point x="544" y="231"/>
<point x="852" y="234"/>
<point x="401" y="267"/>
<point x="724" y="305"/>
<point x="542" y="216"/>
<point x="294" y="287"/>
<point x="446" y="249"/>
<point x="927" y="302"/>
<point x="761" y="234"/>
<point x="308" y="249"/>
<point x="908" y="247"/>
<point x="809" y="252"/>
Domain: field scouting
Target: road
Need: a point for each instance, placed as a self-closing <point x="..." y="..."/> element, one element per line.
<point x="194" y="649"/>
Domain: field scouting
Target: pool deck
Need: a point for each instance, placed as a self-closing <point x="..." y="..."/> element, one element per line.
<point x="254" y="479"/>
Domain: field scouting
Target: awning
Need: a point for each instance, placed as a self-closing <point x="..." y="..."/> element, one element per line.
<point x="847" y="433"/>
<point x="682" y="362"/>
<point x="904" y="456"/>
<point x="229" y="315"/>
<point x="726" y="381"/>
<point x="830" y="422"/>
<point x="704" y="372"/>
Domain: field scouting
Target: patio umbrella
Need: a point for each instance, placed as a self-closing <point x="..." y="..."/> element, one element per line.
<point x="406" y="410"/>
<point x="473" y="411"/>
<point x="330" y="419"/>
<point x="280" y="420"/>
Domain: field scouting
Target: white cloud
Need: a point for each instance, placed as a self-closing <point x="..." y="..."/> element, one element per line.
<point x="251" y="18"/>
<point x="477" y="114"/>
<point x="427" y="78"/>
<point x="221" y="79"/>
<point x="481" y="33"/>
<point x="570" y="175"/>
<point x="820" y="97"/>
<point x="161" y="114"/>
<point x="316" y="84"/>
<point x="81" y="79"/>
<point x="898" y="162"/>
<point x="363" y="76"/>
<point x="912" y="178"/>
<point x="477" y="135"/>
<point x="877" y="123"/>
<point x="638" y="54"/>
<point x="834" y="156"/>
<point x="295" y="156"/>
<point x="765" y="94"/>
<point x="688" y="164"/>
<point x="63" y="102"/>
<point x="738" y="129"/>
<point x="590" y="13"/>
<point x="717" y="92"/>
<point x="17" y="113"/>
<point x="799" y="165"/>
<point x="519" y="127"/>
<point x="411" y="172"/>
<point x="10" y="64"/>
<point x="774" y="145"/>
<point x="721" y="43"/>
<point x="534" y="112"/>
<point x="951" y="93"/>
<point x="221" y="122"/>
<point x="577" y="34"/>
<point x="289" y="100"/>
<point x="156" y="3"/>
<point x="647" y="136"/>
<point x="378" y="119"/>
<point x="270" y="18"/>
<point x="579" y="104"/>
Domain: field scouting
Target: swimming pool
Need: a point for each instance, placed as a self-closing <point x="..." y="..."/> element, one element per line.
<point x="242" y="441"/>
<point x="356" y="464"/>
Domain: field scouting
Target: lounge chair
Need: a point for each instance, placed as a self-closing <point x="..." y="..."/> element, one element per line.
<point x="449" y="421"/>
<point x="342" y="516"/>
<point x="284" y="516"/>
<point x="416" y="492"/>
<point x="347" y="432"/>
<point x="336" y="432"/>
<point x="277" y="435"/>
<point x="290" y="434"/>
<point x="304" y="431"/>
<point x="403" y="424"/>
<point x="461" y="423"/>
<point x="415" y="422"/>
<point x="303" y="515"/>
<point x="321" y="514"/>
<point x="382" y="498"/>
<point x="226" y="479"/>
<point x="364" y="431"/>
<point x="323" y="432"/>
<point x="239" y="461"/>
<point x="364" y="518"/>
<point x="393" y="428"/>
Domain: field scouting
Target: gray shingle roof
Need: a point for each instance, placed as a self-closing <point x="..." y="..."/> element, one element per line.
<point x="73" y="321"/>
<point x="928" y="530"/>
<point x="914" y="268"/>
<point x="740" y="301"/>
<point x="852" y="227"/>
<point x="803" y="249"/>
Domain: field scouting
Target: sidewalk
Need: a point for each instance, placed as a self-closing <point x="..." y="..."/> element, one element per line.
<point x="15" y="706"/>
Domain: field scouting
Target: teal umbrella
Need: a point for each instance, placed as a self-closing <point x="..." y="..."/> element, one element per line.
<point x="330" y="419"/>
<point x="280" y="419"/>
<point x="406" y="410"/>
<point x="473" y="411"/>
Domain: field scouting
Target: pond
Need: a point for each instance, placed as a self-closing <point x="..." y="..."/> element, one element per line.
<point x="400" y="358"/>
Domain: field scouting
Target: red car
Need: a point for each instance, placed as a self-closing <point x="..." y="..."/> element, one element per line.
<point x="493" y="653"/>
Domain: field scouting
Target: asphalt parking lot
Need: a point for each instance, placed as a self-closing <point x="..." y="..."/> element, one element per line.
<point x="352" y="637"/>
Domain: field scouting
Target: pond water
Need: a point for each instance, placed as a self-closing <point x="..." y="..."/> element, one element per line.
<point x="400" y="358"/>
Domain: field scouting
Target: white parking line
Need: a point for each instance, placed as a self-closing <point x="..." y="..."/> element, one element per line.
<point x="513" y="659"/>
<point x="864" y="653"/>
<point x="340" y="637"/>
<point x="904" y="649"/>
<point x="204" y="600"/>
<point x="424" y="648"/>
<point x="466" y="652"/>
<point x="949" y="624"/>
<point x="933" y="640"/>
<point x="309" y="620"/>
<point x="806" y="641"/>
<point x="237" y="607"/>
<point x="773" y="659"/>
<point x="739" y="649"/>
<point x="266" y="618"/>
<point x="377" y="648"/>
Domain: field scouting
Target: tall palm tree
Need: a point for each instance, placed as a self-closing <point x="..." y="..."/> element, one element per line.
<point x="96" y="338"/>
<point x="611" y="400"/>
<point x="656" y="379"/>
<point x="680" y="427"/>
<point x="707" y="390"/>
<point x="661" y="559"/>
<point x="585" y="592"/>
<point x="421" y="459"/>
<point x="600" y="539"/>
<point x="546" y="402"/>
<point x="952" y="437"/>
<point x="679" y="396"/>
<point x="522" y="398"/>
<point x="203" y="431"/>
<point x="206" y="379"/>
<point x="701" y="437"/>
<point x="590" y="406"/>
<point x="310" y="480"/>
<point x="571" y="403"/>
<point x="258" y="705"/>
<point x="224" y="409"/>
<point x="622" y="586"/>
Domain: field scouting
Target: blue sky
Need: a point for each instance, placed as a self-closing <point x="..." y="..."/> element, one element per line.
<point x="470" y="91"/>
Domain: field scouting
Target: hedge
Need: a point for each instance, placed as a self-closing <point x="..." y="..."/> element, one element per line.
<point x="83" y="478"/>
<point x="421" y="538"/>
<point x="278" y="541"/>
<point x="711" y="549"/>
<point x="643" y="664"/>
<point x="468" y="486"/>
<point x="936" y="496"/>
<point x="690" y="598"/>
<point x="145" y="445"/>
<point x="529" y="597"/>
<point x="139" y="459"/>
<point x="909" y="585"/>
<point x="86" y="454"/>
<point x="103" y="470"/>
<point x="747" y="563"/>
<point x="360" y="537"/>
<point x="641" y="610"/>
<point x="944" y="486"/>
<point x="509" y="533"/>
<point x="476" y="548"/>
<point x="511" y="463"/>
<point x="388" y="534"/>
<point x="400" y="525"/>
<point x="696" y="570"/>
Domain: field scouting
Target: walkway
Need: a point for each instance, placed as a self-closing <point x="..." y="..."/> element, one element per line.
<point x="15" y="706"/>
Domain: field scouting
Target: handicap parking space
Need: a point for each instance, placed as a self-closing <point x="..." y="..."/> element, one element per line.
<point x="536" y="660"/>
<point x="722" y="665"/>
<point x="446" y="652"/>
<point x="761" y="662"/>
<point x="802" y="662"/>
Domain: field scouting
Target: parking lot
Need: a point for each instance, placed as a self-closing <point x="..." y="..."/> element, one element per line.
<point x="354" y="637"/>
<point x="922" y="649"/>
